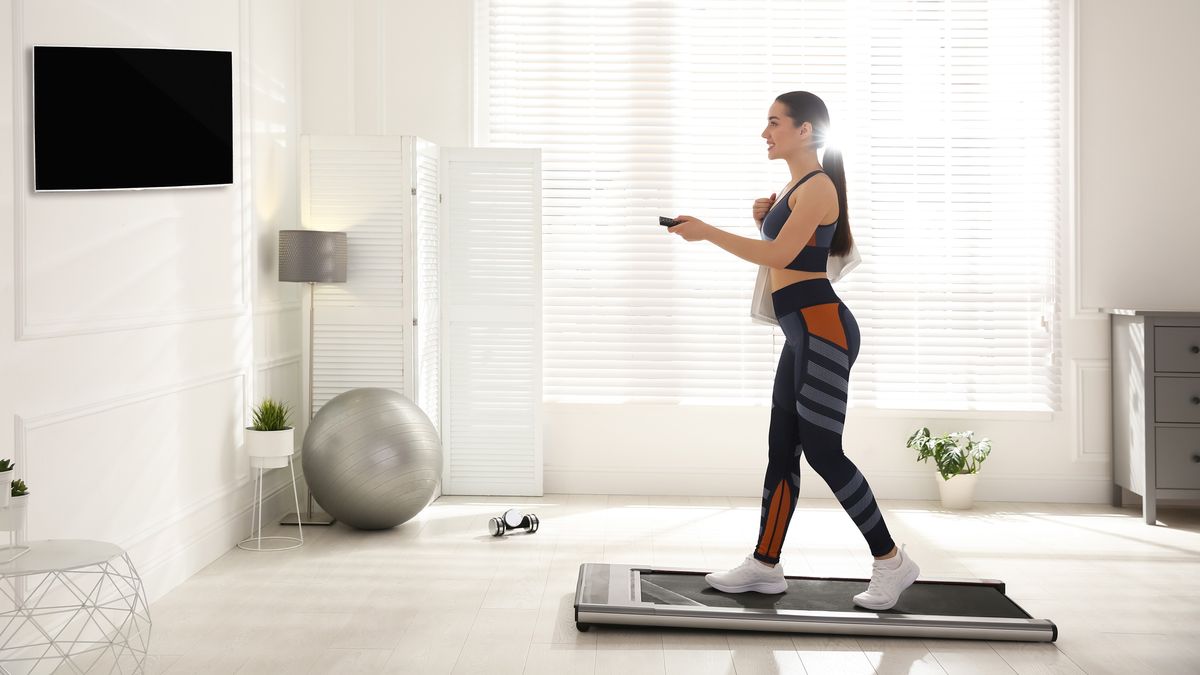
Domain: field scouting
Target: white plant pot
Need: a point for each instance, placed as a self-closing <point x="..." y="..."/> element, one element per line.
<point x="270" y="449"/>
<point x="12" y="517"/>
<point x="959" y="491"/>
<point x="6" y="478"/>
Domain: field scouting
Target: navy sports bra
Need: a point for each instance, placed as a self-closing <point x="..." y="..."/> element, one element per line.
<point x="815" y="254"/>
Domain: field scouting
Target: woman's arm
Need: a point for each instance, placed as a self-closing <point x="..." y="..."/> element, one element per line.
<point x="757" y="251"/>
<point x="779" y="252"/>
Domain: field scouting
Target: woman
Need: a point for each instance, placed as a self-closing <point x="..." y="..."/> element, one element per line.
<point x="808" y="404"/>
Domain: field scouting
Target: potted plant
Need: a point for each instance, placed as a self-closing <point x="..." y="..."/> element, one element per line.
<point x="270" y="443"/>
<point x="13" y="517"/>
<point x="6" y="477"/>
<point x="958" y="457"/>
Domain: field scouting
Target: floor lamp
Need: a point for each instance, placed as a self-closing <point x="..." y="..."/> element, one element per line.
<point x="312" y="257"/>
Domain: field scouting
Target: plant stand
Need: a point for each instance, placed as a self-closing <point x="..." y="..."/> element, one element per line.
<point x="257" y="542"/>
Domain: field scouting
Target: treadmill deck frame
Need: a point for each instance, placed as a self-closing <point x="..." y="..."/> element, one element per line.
<point x="598" y="600"/>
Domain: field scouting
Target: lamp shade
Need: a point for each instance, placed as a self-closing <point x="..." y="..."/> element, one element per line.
<point x="312" y="255"/>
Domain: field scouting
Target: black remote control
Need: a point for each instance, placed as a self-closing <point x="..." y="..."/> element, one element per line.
<point x="667" y="222"/>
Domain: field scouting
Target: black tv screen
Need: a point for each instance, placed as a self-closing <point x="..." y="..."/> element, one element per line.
<point x="111" y="118"/>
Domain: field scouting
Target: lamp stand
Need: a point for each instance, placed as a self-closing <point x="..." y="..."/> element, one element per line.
<point x="309" y="517"/>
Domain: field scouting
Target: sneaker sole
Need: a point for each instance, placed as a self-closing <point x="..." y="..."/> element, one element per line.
<point x="916" y="572"/>
<point x="771" y="587"/>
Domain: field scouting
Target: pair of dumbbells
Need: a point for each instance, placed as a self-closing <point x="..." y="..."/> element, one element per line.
<point x="513" y="519"/>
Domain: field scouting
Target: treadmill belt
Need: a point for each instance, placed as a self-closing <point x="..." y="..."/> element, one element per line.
<point x="832" y="595"/>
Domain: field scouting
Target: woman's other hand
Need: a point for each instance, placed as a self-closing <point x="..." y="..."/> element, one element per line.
<point x="691" y="229"/>
<point x="761" y="206"/>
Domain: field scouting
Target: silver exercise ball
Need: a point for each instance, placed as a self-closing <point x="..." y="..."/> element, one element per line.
<point x="372" y="458"/>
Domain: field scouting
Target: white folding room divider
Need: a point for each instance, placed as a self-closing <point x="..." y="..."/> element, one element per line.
<point x="443" y="294"/>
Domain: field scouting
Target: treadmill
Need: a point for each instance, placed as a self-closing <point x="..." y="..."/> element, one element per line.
<point x="972" y="609"/>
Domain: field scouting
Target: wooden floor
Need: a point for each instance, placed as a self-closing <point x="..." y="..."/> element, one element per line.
<point x="440" y="595"/>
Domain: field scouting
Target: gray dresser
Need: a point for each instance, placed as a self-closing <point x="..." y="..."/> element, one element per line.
<point x="1156" y="406"/>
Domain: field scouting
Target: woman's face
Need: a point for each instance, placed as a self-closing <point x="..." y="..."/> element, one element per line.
<point x="784" y="138"/>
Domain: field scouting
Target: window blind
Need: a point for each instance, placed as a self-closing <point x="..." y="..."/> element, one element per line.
<point x="950" y="119"/>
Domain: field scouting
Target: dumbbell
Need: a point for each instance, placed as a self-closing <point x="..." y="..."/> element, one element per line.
<point x="513" y="519"/>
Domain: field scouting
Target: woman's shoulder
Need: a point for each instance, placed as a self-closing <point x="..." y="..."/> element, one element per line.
<point x="818" y="186"/>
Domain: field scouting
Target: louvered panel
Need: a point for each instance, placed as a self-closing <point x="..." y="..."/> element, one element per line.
<point x="429" y="316"/>
<point x="492" y="244"/>
<point x="362" y="191"/>
<point x="362" y="334"/>
<point x="349" y="356"/>
<point x="492" y="379"/>
<point x="492" y="365"/>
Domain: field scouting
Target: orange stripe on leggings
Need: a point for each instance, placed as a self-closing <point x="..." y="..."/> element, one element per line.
<point x="784" y="507"/>
<point x="771" y="518"/>
<point x="825" y="322"/>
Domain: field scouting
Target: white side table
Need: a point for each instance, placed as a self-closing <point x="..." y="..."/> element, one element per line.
<point x="72" y="606"/>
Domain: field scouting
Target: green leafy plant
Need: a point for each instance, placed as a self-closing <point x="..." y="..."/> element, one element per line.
<point x="271" y="415"/>
<point x="954" y="453"/>
<point x="6" y="465"/>
<point x="19" y="489"/>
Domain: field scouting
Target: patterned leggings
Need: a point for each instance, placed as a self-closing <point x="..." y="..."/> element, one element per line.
<point x="808" y="409"/>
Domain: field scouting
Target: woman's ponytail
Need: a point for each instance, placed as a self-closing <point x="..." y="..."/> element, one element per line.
<point x="832" y="163"/>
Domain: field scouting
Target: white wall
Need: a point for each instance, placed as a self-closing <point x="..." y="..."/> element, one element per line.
<point x="1138" y="146"/>
<point x="397" y="67"/>
<point x="146" y="322"/>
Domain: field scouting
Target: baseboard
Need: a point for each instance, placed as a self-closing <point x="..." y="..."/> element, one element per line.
<point x="917" y="485"/>
<point x="188" y="545"/>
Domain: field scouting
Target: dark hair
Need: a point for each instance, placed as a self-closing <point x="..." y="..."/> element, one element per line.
<point x="802" y="107"/>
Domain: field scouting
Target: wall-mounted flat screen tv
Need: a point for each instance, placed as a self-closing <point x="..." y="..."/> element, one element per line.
<point x="118" y="118"/>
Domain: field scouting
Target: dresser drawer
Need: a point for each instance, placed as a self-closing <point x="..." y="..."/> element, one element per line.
<point x="1177" y="399"/>
<point x="1177" y="349"/>
<point x="1177" y="458"/>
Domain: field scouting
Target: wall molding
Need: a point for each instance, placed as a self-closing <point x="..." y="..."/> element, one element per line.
<point x="67" y="414"/>
<point x="1079" y="368"/>
<point x="23" y="187"/>
<point x="268" y="309"/>
<point x="287" y="360"/>
<point x="111" y="323"/>
<point x="244" y="114"/>
<point x="20" y="164"/>
<point x="278" y="481"/>
<point x="159" y="575"/>
<point x="23" y="425"/>
<point x="240" y="514"/>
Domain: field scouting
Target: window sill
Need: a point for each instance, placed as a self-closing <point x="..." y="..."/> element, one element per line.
<point x="1029" y="415"/>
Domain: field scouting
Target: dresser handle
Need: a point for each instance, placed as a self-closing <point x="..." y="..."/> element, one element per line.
<point x="1196" y="400"/>
<point x="1196" y="349"/>
<point x="1196" y="459"/>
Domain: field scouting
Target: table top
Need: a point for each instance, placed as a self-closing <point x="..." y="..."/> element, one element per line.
<point x="1149" y="312"/>
<point x="57" y="555"/>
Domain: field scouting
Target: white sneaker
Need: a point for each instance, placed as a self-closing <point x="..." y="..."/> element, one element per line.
<point x="751" y="575"/>
<point x="887" y="584"/>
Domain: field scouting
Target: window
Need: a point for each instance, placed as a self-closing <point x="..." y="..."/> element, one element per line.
<point x="950" y="116"/>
